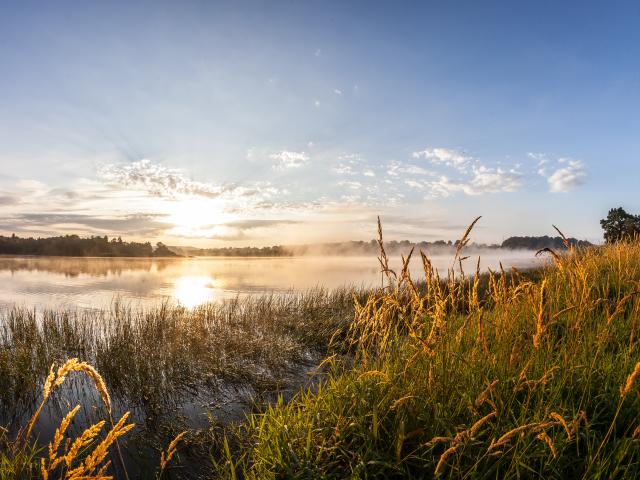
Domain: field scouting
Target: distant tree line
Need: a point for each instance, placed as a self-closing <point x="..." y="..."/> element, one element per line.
<point x="368" y="248"/>
<point x="75" y="246"/>
<point x="538" y="243"/>
<point x="274" y="251"/>
<point x="96" y="246"/>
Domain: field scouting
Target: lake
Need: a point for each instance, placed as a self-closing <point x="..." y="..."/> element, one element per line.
<point x="72" y="282"/>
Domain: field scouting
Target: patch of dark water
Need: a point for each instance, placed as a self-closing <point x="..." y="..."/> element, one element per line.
<point x="216" y="402"/>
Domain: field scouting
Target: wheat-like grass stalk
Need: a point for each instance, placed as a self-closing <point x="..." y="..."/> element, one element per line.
<point x="559" y="418"/>
<point x="443" y="459"/>
<point x="547" y="439"/>
<point x="93" y="461"/>
<point x="626" y="389"/>
<point x="504" y="439"/>
<point x="165" y="457"/>
<point x="462" y="242"/>
<point x="83" y="441"/>
<point x="54" y="380"/>
<point x="58" y="437"/>
<point x="478" y="425"/>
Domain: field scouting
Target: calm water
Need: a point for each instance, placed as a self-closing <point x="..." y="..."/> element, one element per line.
<point x="45" y="282"/>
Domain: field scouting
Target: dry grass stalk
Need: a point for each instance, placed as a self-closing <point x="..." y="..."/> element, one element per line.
<point x="539" y="310"/>
<point x="476" y="426"/>
<point x="458" y="441"/>
<point x="565" y="240"/>
<point x="464" y="239"/>
<point x="504" y="439"/>
<point x="547" y="439"/>
<point x="626" y="389"/>
<point x="95" y="459"/>
<point x="56" y="379"/>
<point x="559" y="418"/>
<point x="165" y="457"/>
<point x="443" y="459"/>
<point x="480" y="399"/>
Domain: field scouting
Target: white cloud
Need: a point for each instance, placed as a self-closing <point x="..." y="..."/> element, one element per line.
<point x="484" y="180"/>
<point x="318" y="52"/>
<point x="317" y="103"/>
<point x="369" y="173"/>
<point x="337" y="91"/>
<point x="444" y="156"/>
<point x="542" y="160"/>
<point x="159" y="180"/>
<point x="287" y="159"/>
<point x="343" y="169"/>
<point x="414" y="184"/>
<point x="396" y="168"/>
<point x="350" y="184"/>
<point x="567" y="177"/>
<point x="562" y="174"/>
<point x="489" y="180"/>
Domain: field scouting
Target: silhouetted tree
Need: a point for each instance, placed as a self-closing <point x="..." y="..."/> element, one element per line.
<point x="620" y="225"/>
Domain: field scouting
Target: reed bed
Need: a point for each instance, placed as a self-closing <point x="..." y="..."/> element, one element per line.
<point x="154" y="362"/>
<point x="159" y="353"/>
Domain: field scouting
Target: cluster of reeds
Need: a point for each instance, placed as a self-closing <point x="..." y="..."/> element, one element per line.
<point x="153" y="360"/>
<point x="501" y="375"/>
<point x="249" y="341"/>
<point x="84" y="457"/>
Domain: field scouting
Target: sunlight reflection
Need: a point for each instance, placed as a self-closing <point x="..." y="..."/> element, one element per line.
<point x="191" y="291"/>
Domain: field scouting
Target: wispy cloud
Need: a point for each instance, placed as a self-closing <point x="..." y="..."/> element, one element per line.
<point x="337" y="91"/>
<point x="396" y="169"/>
<point x="354" y="185"/>
<point x="444" y="156"/>
<point x="286" y="159"/>
<point x="9" y="199"/>
<point x="562" y="174"/>
<point x="158" y="180"/>
<point x="472" y="177"/>
<point x="571" y="175"/>
<point x="131" y="224"/>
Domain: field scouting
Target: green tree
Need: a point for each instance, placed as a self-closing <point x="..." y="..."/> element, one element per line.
<point x="620" y="225"/>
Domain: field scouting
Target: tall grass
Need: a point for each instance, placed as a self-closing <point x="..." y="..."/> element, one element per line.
<point x="531" y="377"/>
<point x="154" y="361"/>
<point x="504" y="375"/>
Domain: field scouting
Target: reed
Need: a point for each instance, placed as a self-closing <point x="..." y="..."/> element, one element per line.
<point x="507" y="375"/>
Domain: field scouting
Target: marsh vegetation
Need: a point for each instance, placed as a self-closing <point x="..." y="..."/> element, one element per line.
<point x="504" y="375"/>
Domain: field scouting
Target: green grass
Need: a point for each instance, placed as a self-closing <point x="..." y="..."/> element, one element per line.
<point x="429" y="365"/>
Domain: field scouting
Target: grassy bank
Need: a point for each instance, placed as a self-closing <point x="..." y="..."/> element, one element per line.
<point x="497" y="376"/>
<point x="534" y="379"/>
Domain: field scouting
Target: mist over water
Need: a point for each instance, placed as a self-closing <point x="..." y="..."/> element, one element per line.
<point x="94" y="283"/>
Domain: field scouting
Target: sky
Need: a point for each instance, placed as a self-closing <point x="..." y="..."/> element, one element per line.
<point x="229" y="123"/>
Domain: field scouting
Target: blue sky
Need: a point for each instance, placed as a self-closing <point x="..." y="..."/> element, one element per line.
<point x="213" y="123"/>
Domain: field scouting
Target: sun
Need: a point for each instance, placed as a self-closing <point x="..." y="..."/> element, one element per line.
<point x="191" y="217"/>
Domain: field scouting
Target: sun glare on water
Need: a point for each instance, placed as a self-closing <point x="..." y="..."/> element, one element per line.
<point x="192" y="291"/>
